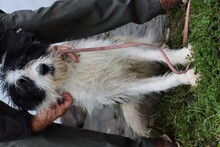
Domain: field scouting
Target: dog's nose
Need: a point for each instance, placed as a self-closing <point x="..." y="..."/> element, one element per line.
<point x="44" y="69"/>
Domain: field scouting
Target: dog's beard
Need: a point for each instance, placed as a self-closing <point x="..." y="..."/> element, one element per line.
<point x="61" y="71"/>
<point x="53" y="90"/>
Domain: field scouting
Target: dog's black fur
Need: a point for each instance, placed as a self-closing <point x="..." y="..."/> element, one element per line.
<point x="16" y="50"/>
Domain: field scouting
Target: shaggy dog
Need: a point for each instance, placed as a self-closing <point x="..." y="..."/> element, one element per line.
<point x="33" y="74"/>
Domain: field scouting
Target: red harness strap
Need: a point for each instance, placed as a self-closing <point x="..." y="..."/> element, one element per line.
<point x="186" y="27"/>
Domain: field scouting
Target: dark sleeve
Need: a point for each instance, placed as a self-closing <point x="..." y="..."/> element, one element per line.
<point x="14" y="124"/>
<point x="63" y="136"/>
<point x="74" y="19"/>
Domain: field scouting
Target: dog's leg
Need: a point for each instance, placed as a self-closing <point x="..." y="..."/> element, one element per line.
<point x="175" y="56"/>
<point x="161" y="83"/>
<point x="134" y="118"/>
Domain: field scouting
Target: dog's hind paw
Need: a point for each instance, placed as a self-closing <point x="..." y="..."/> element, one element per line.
<point x="190" y="77"/>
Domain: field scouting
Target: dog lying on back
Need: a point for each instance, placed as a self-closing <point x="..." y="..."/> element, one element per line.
<point x="33" y="74"/>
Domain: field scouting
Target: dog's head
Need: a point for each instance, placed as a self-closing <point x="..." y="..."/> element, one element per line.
<point x="30" y="73"/>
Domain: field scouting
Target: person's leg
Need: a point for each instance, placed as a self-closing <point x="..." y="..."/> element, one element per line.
<point x="61" y="136"/>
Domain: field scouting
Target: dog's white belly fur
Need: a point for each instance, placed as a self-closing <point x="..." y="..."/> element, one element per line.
<point x="100" y="77"/>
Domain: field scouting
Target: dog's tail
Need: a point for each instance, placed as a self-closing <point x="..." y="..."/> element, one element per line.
<point x="140" y="115"/>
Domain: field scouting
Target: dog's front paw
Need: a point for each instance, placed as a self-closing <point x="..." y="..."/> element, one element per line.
<point x="66" y="49"/>
<point x="190" y="78"/>
<point x="185" y="55"/>
<point x="190" y="47"/>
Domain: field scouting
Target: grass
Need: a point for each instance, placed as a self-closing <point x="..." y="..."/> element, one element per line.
<point x="192" y="114"/>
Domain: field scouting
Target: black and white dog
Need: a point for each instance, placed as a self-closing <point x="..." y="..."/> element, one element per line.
<point x="33" y="75"/>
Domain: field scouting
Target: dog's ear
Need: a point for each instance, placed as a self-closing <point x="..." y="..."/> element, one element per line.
<point x="13" y="40"/>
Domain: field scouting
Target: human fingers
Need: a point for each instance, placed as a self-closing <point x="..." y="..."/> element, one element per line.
<point x="61" y="108"/>
<point x="68" y="100"/>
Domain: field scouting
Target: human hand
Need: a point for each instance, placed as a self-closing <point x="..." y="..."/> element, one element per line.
<point x="46" y="117"/>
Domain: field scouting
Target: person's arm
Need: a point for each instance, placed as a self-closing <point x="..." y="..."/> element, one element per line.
<point x="16" y="124"/>
<point x="59" y="135"/>
<point x="74" y="19"/>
